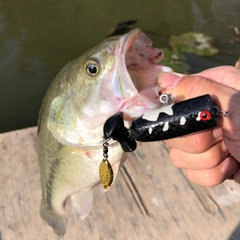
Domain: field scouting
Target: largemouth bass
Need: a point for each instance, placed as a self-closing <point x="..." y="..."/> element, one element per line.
<point x="114" y="76"/>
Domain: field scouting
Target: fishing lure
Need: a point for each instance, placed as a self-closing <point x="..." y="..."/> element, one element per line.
<point x="169" y="121"/>
<point x="175" y="120"/>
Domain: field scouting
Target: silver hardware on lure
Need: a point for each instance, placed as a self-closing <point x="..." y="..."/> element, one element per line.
<point x="222" y="113"/>
<point x="166" y="98"/>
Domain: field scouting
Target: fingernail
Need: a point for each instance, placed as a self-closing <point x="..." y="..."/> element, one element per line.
<point x="229" y="167"/>
<point x="217" y="132"/>
<point x="168" y="80"/>
<point x="224" y="147"/>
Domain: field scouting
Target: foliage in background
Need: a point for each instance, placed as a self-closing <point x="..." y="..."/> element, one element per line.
<point x="191" y="42"/>
<point x="174" y="60"/>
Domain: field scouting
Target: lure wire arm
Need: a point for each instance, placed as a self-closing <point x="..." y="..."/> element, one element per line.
<point x="222" y="113"/>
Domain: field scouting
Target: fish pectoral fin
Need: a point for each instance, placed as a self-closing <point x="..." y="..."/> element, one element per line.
<point x="63" y="120"/>
<point x="66" y="151"/>
<point x="56" y="221"/>
<point x="81" y="204"/>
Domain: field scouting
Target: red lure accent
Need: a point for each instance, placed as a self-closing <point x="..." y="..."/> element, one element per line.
<point x="205" y="115"/>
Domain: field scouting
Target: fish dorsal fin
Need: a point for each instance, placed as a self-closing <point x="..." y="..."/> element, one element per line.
<point x="81" y="204"/>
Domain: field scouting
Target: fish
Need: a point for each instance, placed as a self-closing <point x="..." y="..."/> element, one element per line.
<point x="118" y="74"/>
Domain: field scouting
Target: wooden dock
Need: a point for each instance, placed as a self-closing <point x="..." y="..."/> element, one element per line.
<point x="151" y="199"/>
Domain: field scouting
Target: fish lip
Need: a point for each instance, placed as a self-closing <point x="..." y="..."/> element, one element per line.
<point x="130" y="38"/>
<point x="132" y="93"/>
<point x="128" y="41"/>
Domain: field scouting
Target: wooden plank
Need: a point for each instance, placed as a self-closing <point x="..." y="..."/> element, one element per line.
<point x="151" y="199"/>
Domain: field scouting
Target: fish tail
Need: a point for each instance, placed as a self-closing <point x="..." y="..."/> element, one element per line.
<point x="56" y="221"/>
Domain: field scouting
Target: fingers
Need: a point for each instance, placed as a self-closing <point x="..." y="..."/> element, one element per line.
<point x="214" y="176"/>
<point x="227" y="75"/>
<point x="197" y="142"/>
<point x="199" y="161"/>
<point x="192" y="86"/>
<point x="208" y="168"/>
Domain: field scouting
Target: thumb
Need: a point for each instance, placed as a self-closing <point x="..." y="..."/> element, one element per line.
<point x="190" y="86"/>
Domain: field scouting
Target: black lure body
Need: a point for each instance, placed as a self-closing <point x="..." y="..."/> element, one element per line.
<point x="170" y="121"/>
<point x="175" y="120"/>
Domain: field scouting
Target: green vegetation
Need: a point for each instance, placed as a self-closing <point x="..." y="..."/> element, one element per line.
<point x="191" y="42"/>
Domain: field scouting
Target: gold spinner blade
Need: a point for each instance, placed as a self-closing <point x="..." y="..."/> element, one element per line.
<point x="106" y="173"/>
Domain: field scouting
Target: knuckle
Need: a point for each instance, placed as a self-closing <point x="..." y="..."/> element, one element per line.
<point x="204" y="178"/>
<point x="211" y="160"/>
<point x="198" y="144"/>
<point x="175" y="157"/>
<point x="193" y="89"/>
<point x="211" y="181"/>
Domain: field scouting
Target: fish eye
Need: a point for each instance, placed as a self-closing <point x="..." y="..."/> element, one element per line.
<point x="92" y="68"/>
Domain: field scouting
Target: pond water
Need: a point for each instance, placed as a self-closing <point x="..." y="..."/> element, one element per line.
<point x="37" y="38"/>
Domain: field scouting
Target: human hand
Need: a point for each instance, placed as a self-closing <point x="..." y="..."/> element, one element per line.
<point x="208" y="157"/>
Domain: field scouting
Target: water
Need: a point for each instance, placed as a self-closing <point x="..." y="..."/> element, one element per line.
<point x="37" y="38"/>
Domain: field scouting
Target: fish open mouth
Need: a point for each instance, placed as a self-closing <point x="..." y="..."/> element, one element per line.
<point x="139" y="65"/>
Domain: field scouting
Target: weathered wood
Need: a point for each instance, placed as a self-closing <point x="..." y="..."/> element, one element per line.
<point x="151" y="199"/>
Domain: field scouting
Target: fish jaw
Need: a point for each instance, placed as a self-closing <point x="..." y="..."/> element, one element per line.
<point x="136" y="71"/>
